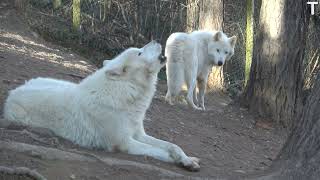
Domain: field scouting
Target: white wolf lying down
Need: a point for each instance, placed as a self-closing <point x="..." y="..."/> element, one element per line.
<point x="190" y="60"/>
<point x="105" y="110"/>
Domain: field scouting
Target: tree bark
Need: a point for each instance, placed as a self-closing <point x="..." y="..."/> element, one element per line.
<point x="276" y="72"/>
<point x="303" y="145"/>
<point x="300" y="156"/>
<point x="313" y="48"/>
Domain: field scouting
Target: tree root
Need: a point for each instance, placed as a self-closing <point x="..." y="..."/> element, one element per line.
<point x="73" y="155"/>
<point x="117" y="162"/>
<point x="43" y="152"/>
<point x="21" y="171"/>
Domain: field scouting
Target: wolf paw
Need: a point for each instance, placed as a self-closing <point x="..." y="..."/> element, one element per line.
<point x="169" y="100"/>
<point x="197" y="108"/>
<point x="193" y="165"/>
<point x="195" y="159"/>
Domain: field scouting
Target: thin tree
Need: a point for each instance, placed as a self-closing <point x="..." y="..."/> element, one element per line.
<point x="56" y="4"/>
<point x="249" y="37"/>
<point x="76" y="12"/>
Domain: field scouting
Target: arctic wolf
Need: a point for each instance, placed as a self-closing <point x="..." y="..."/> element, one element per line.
<point x="190" y="60"/>
<point x="105" y="110"/>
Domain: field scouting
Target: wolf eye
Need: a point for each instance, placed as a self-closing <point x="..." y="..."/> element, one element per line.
<point x="218" y="50"/>
<point x="226" y="52"/>
<point x="139" y="53"/>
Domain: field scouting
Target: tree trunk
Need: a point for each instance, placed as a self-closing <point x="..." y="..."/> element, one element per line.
<point x="300" y="157"/>
<point x="106" y="8"/>
<point x="303" y="145"/>
<point x="192" y="15"/>
<point x="211" y="15"/>
<point x="276" y="72"/>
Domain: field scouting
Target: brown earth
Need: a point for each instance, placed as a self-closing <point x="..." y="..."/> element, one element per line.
<point x="230" y="142"/>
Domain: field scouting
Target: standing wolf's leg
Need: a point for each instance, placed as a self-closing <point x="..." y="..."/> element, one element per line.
<point x="190" y="73"/>
<point x="175" y="80"/>
<point x="175" y="152"/>
<point x="191" y="88"/>
<point x="191" y="80"/>
<point x="202" y="87"/>
<point x="169" y="98"/>
<point x="195" y="97"/>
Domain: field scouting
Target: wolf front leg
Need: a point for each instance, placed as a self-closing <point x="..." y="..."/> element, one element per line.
<point x="135" y="147"/>
<point x="175" y="152"/>
<point x="202" y="88"/>
<point x="190" y="74"/>
<point x="190" y="95"/>
<point x="195" y="97"/>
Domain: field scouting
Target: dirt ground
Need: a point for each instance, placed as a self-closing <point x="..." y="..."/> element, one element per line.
<point x="230" y="142"/>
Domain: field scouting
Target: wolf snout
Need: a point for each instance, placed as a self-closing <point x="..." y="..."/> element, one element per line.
<point x="162" y="58"/>
<point x="220" y="63"/>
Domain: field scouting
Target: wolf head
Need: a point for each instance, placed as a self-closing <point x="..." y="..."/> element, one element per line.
<point x="220" y="48"/>
<point x="138" y="64"/>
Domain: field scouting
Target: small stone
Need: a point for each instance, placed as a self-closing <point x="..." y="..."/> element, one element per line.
<point x="72" y="176"/>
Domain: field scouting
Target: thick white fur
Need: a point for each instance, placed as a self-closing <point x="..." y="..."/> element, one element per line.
<point x="105" y="62"/>
<point x="190" y="60"/>
<point x="105" y="110"/>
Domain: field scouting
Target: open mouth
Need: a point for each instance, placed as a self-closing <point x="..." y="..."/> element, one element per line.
<point x="163" y="59"/>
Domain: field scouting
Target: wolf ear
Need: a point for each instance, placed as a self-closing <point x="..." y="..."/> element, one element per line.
<point x="117" y="71"/>
<point x="217" y="36"/>
<point x="233" y="40"/>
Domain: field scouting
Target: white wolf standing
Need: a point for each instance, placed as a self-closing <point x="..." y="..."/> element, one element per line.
<point x="105" y="110"/>
<point x="190" y="60"/>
